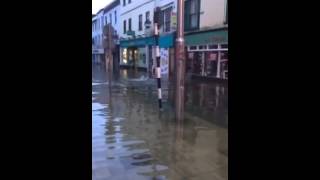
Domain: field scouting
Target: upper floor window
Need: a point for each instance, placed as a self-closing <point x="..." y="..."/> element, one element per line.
<point x="192" y="14"/>
<point x="110" y="16"/>
<point x="124" y="3"/>
<point x="140" y="22"/>
<point x="115" y="17"/>
<point x="106" y="20"/>
<point x="124" y="27"/>
<point x="129" y="24"/>
<point x="129" y="1"/>
<point x="167" y="19"/>
<point x="148" y="15"/>
<point x="101" y="21"/>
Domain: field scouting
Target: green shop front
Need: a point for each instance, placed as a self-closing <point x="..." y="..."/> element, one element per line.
<point x="207" y="53"/>
<point x="138" y="53"/>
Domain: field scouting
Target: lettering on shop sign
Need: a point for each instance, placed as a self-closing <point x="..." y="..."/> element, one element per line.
<point x="218" y="39"/>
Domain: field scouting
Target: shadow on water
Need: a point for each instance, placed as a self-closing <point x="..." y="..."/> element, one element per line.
<point x="132" y="140"/>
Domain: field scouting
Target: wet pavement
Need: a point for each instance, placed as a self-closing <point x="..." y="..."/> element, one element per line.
<point x="132" y="140"/>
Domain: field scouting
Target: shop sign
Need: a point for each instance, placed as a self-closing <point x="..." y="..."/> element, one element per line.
<point x="213" y="57"/>
<point x="173" y="21"/>
<point x="131" y="33"/>
<point x="212" y="37"/>
<point x="164" y="60"/>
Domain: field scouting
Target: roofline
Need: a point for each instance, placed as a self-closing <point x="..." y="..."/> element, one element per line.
<point x="111" y="5"/>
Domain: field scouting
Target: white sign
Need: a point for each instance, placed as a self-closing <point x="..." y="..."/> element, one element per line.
<point x="164" y="60"/>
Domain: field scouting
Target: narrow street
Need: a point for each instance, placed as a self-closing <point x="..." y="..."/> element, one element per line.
<point x="132" y="140"/>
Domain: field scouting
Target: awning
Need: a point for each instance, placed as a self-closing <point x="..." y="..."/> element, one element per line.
<point x="165" y="41"/>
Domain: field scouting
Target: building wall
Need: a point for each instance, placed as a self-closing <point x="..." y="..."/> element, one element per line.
<point x="133" y="10"/>
<point x="97" y="31"/>
<point x="212" y="13"/>
<point x="115" y="24"/>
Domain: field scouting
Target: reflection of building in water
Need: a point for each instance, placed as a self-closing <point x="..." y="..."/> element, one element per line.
<point x="209" y="101"/>
<point x="199" y="152"/>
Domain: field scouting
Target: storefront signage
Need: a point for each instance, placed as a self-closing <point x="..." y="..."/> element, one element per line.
<point x="211" y="37"/>
<point x="164" y="60"/>
<point x="137" y="42"/>
<point x="131" y="33"/>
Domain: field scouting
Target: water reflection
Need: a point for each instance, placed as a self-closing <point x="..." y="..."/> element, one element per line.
<point x="131" y="140"/>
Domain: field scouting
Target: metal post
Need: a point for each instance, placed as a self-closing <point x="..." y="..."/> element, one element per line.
<point x="180" y="61"/>
<point x="157" y="52"/>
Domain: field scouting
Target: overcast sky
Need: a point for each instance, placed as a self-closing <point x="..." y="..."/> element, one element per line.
<point x="99" y="4"/>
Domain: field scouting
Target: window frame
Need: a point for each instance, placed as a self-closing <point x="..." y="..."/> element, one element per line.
<point x="188" y="15"/>
<point x="140" y="28"/>
<point x="124" y="26"/>
<point x="129" y="24"/>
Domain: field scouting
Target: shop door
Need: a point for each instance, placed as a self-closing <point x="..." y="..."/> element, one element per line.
<point x="211" y="61"/>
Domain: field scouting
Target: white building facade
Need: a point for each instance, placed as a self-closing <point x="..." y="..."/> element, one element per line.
<point x="97" y="37"/>
<point x="136" y="39"/>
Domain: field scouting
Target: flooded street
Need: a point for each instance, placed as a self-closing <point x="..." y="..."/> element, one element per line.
<point x="132" y="140"/>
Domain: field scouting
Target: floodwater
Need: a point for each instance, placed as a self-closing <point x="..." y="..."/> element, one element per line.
<point x="132" y="140"/>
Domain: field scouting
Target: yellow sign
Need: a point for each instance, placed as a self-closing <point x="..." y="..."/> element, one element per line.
<point x="173" y="20"/>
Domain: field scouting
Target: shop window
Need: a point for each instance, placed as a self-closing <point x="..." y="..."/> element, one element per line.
<point x="213" y="46"/>
<point x="211" y="60"/>
<point x="224" y="64"/>
<point x="202" y="47"/>
<point x="124" y="56"/>
<point x="193" y="47"/>
<point x="224" y="46"/>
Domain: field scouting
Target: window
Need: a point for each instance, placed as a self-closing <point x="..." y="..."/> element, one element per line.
<point x="124" y="3"/>
<point x="106" y="20"/>
<point x="148" y="15"/>
<point x="192" y="12"/>
<point x="140" y="22"/>
<point x="115" y="17"/>
<point x="129" y="24"/>
<point x="110" y="16"/>
<point x="101" y="21"/>
<point x="193" y="47"/>
<point x="202" y="47"/>
<point x="129" y="1"/>
<point x="124" y="27"/>
<point x="167" y="19"/>
<point x="213" y="46"/>
<point x="224" y="46"/>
